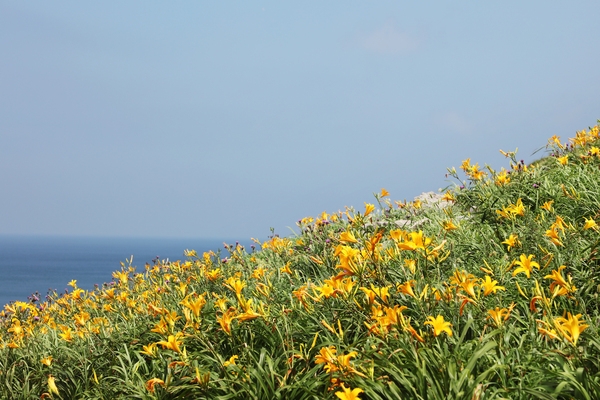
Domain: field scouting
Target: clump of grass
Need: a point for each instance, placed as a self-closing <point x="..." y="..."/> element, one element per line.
<point x="488" y="290"/>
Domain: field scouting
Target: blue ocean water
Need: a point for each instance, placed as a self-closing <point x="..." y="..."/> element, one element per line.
<point x="30" y="264"/>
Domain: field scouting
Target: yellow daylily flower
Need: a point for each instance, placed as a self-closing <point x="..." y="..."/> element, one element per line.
<point x="369" y="208"/>
<point x="226" y="319"/>
<point x="564" y="160"/>
<point x="498" y="315"/>
<point x="407" y="288"/>
<point x="512" y="241"/>
<point x="348" y="237"/>
<point x="526" y="265"/>
<point x="349" y="394"/>
<point x="547" y="205"/>
<point x="570" y="327"/>
<point x="195" y="305"/>
<point x="449" y="226"/>
<point x="149" y="350"/>
<point x="490" y="286"/>
<point x="439" y="325"/>
<point x="47" y="361"/>
<point x="552" y="234"/>
<point x="589" y="224"/>
<point x="172" y="343"/>
<point x="560" y="286"/>
<point x="286" y="269"/>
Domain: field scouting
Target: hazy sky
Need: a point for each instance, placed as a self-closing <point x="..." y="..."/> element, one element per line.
<point x="223" y="119"/>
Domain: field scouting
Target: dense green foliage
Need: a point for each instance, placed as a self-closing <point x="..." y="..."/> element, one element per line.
<point x="489" y="290"/>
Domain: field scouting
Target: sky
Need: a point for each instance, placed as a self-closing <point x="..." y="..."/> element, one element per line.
<point x="226" y="119"/>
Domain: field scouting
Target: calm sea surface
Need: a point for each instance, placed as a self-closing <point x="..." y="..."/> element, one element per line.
<point x="38" y="263"/>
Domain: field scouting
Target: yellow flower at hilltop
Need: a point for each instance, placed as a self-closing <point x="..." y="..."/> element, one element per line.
<point x="349" y="394"/>
<point x="556" y="140"/>
<point x="564" y="160"/>
<point x="526" y="265"/>
<point x="512" y="210"/>
<point x="406" y="288"/>
<point x="560" y="286"/>
<point x="172" y="342"/>
<point x="570" y="327"/>
<point x="236" y="285"/>
<point x="416" y="242"/>
<point x="449" y="226"/>
<point x="286" y="269"/>
<point x="348" y="237"/>
<point x="589" y="224"/>
<point x="512" y="241"/>
<point x="552" y="234"/>
<point x="47" y="361"/>
<point x="149" y="350"/>
<point x="502" y="178"/>
<point x="226" y="319"/>
<point x="439" y="325"/>
<point x="369" y="208"/>
<point x="195" y="305"/>
<point x="490" y="286"/>
<point x="547" y="205"/>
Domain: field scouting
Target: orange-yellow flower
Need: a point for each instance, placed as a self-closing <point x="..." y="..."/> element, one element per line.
<point x="526" y="265"/>
<point x="195" y="305"/>
<point x="225" y="320"/>
<point x="439" y="325"/>
<point x="172" y="343"/>
<point x="236" y="285"/>
<point x="327" y="356"/>
<point x="512" y="241"/>
<point x="286" y="269"/>
<point x="369" y="208"/>
<point x="570" y="327"/>
<point x="348" y="237"/>
<point x="407" y="288"/>
<point x="149" y="350"/>
<point x="47" y="361"/>
<point x="416" y="242"/>
<point x="490" y="286"/>
<point x="349" y="394"/>
<point x="547" y="205"/>
<point x="325" y="291"/>
<point x="589" y="224"/>
<point x="499" y="315"/>
<point x="449" y="226"/>
<point x="564" y="160"/>
<point x="150" y="383"/>
<point x="560" y="286"/>
<point x="552" y="234"/>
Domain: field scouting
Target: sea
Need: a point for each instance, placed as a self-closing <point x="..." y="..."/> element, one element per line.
<point x="37" y="264"/>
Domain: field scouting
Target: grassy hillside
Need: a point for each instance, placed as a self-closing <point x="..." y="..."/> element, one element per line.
<point x="489" y="290"/>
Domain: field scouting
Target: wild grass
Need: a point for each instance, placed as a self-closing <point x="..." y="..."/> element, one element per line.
<point x="486" y="291"/>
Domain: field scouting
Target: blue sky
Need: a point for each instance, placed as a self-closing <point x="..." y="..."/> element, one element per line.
<point x="224" y="119"/>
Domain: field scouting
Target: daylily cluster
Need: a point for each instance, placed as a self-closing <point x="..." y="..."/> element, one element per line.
<point x="350" y="293"/>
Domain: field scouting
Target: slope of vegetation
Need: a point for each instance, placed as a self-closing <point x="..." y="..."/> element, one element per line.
<point x="489" y="290"/>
